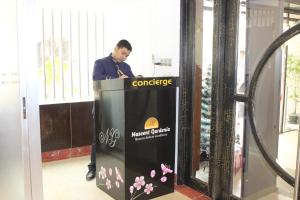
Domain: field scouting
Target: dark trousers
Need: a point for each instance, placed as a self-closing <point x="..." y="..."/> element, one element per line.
<point x="92" y="165"/>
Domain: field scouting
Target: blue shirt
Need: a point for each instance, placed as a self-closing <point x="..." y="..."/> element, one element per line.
<point x="107" y="68"/>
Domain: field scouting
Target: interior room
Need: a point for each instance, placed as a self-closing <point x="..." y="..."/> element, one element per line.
<point x="234" y="72"/>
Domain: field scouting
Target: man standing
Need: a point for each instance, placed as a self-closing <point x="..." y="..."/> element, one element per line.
<point x="110" y="67"/>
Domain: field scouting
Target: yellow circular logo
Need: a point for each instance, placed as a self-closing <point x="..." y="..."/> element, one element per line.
<point x="151" y="122"/>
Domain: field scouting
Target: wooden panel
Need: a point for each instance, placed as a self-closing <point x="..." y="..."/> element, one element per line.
<point x="81" y="123"/>
<point x="65" y="153"/>
<point x="55" y="127"/>
<point x="196" y="119"/>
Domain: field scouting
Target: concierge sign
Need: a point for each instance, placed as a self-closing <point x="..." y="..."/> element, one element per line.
<point x="135" y="129"/>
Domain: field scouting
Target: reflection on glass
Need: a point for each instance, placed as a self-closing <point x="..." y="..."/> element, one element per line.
<point x="291" y="99"/>
<point x="238" y="148"/>
<point x="240" y="77"/>
<point x="240" y="107"/>
<point x="290" y="83"/>
<point x="203" y="61"/>
<point x="267" y="101"/>
<point x="205" y="123"/>
<point x="275" y="102"/>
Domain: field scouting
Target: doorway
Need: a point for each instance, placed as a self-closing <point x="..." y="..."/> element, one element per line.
<point x="71" y="39"/>
<point x="242" y="32"/>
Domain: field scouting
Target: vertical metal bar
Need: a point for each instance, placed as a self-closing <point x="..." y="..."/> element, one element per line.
<point x="61" y="56"/>
<point x="96" y="38"/>
<point x="53" y="52"/>
<point x="87" y="53"/>
<point x="185" y="90"/>
<point x="79" y="65"/>
<point x="71" y="56"/>
<point x="284" y="87"/>
<point x="70" y="124"/>
<point x="103" y="35"/>
<point x="215" y="183"/>
<point x="296" y="188"/>
<point x="43" y="55"/>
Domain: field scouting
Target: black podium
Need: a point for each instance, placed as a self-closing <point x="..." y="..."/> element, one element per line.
<point x="135" y="131"/>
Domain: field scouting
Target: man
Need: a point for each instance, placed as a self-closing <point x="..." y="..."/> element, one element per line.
<point x="110" y="67"/>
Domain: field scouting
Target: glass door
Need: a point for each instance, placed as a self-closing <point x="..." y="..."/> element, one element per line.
<point x="237" y="145"/>
<point x="202" y="89"/>
<point x="275" y="98"/>
<point x="290" y="91"/>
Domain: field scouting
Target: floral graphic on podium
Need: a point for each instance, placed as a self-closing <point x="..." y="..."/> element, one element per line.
<point x="140" y="187"/>
<point x="106" y="180"/>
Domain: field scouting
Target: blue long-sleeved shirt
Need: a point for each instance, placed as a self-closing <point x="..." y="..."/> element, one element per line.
<point x="107" y="68"/>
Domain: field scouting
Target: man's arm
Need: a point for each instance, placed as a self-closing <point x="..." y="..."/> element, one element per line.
<point x="99" y="71"/>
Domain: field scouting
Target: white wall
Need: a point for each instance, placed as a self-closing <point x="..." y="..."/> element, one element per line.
<point x="152" y="27"/>
<point x="20" y="171"/>
<point x="28" y="38"/>
<point x="11" y="167"/>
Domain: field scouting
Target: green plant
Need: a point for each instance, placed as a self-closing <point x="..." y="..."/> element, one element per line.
<point x="293" y="79"/>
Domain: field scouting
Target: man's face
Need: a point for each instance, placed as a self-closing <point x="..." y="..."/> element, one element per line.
<point x="121" y="54"/>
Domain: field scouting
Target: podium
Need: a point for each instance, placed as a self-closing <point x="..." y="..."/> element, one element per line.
<point x="135" y="134"/>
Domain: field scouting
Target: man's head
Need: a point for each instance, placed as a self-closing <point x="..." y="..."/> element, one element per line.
<point x="122" y="50"/>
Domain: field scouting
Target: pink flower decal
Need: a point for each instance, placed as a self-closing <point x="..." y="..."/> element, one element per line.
<point x="102" y="173"/>
<point x="152" y="173"/>
<point x="117" y="184"/>
<point x="108" y="184"/>
<point x="131" y="188"/>
<point x="140" y="188"/>
<point x="139" y="182"/>
<point x="148" y="188"/>
<point x="119" y="177"/>
<point x="165" y="169"/>
<point x="108" y="179"/>
<point x="163" y="179"/>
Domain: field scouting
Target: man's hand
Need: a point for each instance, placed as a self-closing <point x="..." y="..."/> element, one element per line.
<point x="123" y="76"/>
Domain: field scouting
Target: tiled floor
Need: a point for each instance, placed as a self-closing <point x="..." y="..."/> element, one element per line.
<point x="65" y="179"/>
<point x="287" y="153"/>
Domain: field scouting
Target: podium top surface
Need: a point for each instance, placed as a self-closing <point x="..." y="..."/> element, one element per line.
<point x="136" y="83"/>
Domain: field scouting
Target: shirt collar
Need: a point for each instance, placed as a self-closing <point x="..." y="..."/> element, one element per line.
<point x="110" y="56"/>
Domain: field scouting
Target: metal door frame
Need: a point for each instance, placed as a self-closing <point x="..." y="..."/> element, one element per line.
<point x="223" y="98"/>
<point x="222" y="134"/>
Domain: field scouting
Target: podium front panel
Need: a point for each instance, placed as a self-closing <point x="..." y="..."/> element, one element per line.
<point x="110" y="129"/>
<point x="135" y="129"/>
<point x="150" y="140"/>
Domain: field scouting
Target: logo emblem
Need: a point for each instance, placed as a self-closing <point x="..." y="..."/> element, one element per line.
<point x="151" y="122"/>
<point x="109" y="137"/>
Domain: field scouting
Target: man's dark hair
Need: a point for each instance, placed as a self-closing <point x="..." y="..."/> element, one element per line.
<point x="124" y="43"/>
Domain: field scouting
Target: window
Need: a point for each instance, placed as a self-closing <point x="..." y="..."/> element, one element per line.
<point x="70" y="43"/>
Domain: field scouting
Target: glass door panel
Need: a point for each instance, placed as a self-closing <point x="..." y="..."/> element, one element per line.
<point x="202" y="89"/>
<point x="290" y="92"/>
<point x="253" y="178"/>
<point x="259" y="179"/>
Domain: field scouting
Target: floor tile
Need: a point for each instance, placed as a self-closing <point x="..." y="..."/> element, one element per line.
<point x="65" y="179"/>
